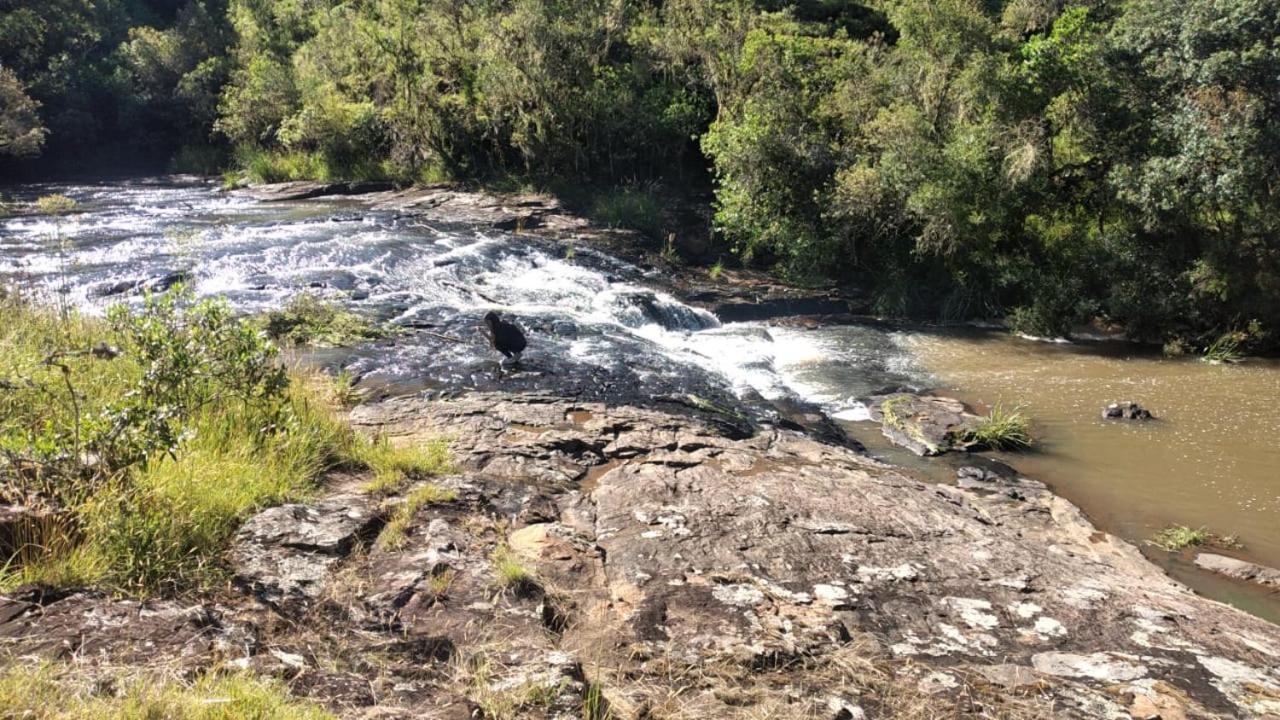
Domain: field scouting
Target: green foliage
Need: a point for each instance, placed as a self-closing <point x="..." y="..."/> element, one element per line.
<point x="1047" y="162"/>
<point x="1001" y="429"/>
<point x="126" y="81"/>
<point x="309" y="320"/>
<point x="1175" y="538"/>
<point x="393" y="467"/>
<point x="509" y="571"/>
<point x="21" y="132"/>
<point x="153" y="434"/>
<point x="57" y="692"/>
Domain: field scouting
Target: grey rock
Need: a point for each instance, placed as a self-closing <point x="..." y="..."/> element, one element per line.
<point x="1239" y="569"/>
<point x="283" y="554"/>
<point x="92" y="627"/>
<point x="1125" y="411"/>
<point x="924" y="425"/>
<point x="775" y="551"/>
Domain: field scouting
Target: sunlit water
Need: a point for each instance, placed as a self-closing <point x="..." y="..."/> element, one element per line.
<point x="595" y="327"/>
<point x="597" y="330"/>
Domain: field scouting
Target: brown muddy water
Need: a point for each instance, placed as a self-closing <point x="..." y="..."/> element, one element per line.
<point x="1212" y="459"/>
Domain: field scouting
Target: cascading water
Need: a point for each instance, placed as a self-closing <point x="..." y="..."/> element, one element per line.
<point x="596" y="329"/>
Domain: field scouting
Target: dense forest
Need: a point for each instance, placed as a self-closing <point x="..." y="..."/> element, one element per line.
<point x="1044" y="161"/>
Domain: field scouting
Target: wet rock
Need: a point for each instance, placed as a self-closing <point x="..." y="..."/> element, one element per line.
<point x="1239" y="569"/>
<point x="767" y="309"/>
<point x="114" y="287"/>
<point x="166" y="281"/>
<point x="283" y="555"/>
<point x="988" y="481"/>
<point x="1125" y="411"/>
<point x="924" y="425"/>
<point x="306" y="190"/>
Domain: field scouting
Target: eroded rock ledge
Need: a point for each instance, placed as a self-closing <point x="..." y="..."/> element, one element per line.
<point x="676" y="571"/>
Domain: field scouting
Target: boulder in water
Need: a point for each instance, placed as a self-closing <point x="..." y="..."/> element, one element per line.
<point x="1126" y="411"/>
<point x="923" y="424"/>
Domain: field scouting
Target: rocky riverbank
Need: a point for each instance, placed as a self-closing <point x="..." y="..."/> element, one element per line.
<point x="596" y="561"/>
<point x="599" y="554"/>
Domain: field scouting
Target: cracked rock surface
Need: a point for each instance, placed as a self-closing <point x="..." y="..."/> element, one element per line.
<point x="599" y="561"/>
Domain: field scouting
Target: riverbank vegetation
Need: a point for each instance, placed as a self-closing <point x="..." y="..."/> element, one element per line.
<point x="1052" y="163"/>
<point x="1176" y="538"/>
<point x="139" y="442"/>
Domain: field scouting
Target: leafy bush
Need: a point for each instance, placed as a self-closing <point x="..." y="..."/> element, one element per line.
<point x="153" y="434"/>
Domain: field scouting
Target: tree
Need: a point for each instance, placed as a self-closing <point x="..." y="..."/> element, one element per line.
<point x="21" y="134"/>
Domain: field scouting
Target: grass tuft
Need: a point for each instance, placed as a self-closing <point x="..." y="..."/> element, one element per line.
<point x="716" y="270"/>
<point x="1226" y="349"/>
<point x="509" y="571"/>
<point x="1175" y="538"/>
<point x="49" y="692"/>
<point x="394" y="534"/>
<point x="394" y="467"/>
<point x="1002" y="429"/>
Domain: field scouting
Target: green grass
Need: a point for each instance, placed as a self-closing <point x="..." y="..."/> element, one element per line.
<point x="394" y="467"/>
<point x="261" y="166"/>
<point x="716" y="270"/>
<point x="634" y="207"/>
<point x="309" y="320"/>
<point x="1002" y="429"/>
<point x="394" y="534"/>
<point x="509" y="572"/>
<point x="1175" y="538"/>
<point x="155" y="519"/>
<point x="159" y="524"/>
<point x="54" y="692"/>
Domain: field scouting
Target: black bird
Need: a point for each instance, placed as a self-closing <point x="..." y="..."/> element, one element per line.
<point x="505" y="337"/>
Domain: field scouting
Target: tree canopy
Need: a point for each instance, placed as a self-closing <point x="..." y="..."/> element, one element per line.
<point x="1051" y="161"/>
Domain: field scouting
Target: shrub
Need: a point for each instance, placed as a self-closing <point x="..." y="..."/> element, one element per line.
<point x="309" y="320"/>
<point x="157" y="446"/>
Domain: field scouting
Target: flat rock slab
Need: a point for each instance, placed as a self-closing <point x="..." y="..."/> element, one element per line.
<point x="91" y="627"/>
<point x="307" y="190"/>
<point x="284" y="554"/>
<point x="1239" y="569"/>
<point x="681" y="547"/>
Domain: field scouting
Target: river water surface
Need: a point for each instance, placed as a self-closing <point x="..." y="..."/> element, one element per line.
<point x="598" y="330"/>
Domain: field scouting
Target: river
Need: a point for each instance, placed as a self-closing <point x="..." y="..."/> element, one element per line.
<point x="599" y="330"/>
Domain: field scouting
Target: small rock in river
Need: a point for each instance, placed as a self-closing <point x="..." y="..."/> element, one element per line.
<point x="1125" y="411"/>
